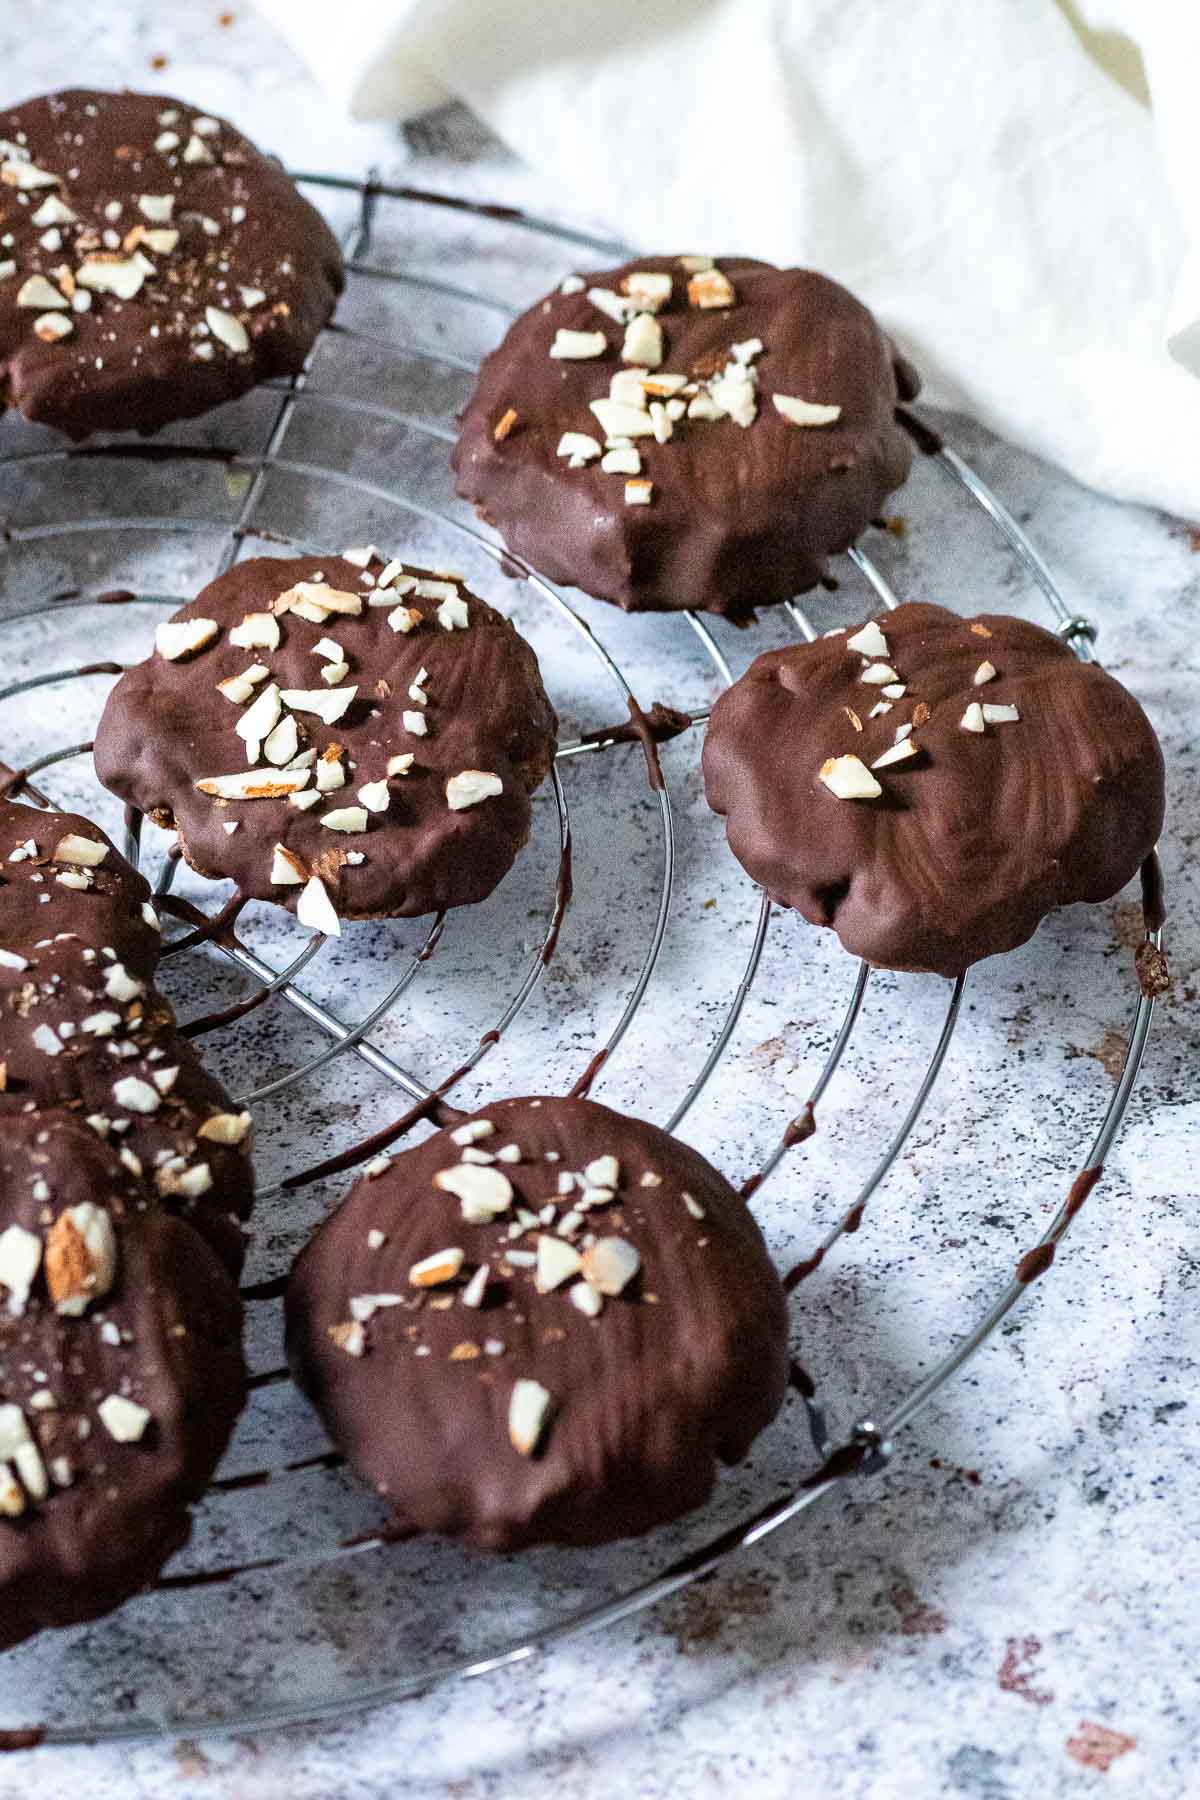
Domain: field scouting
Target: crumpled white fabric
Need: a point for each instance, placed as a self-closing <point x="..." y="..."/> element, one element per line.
<point x="1028" y="230"/>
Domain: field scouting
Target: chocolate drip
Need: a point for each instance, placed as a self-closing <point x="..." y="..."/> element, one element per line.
<point x="267" y="1378"/>
<point x="431" y="1107"/>
<point x="1154" y="905"/>
<point x="660" y="722"/>
<point x="16" y="781"/>
<point x="564" y="889"/>
<point x="202" y="1578"/>
<point x="802" y="1270"/>
<point x="800" y="1379"/>
<point x="926" y="439"/>
<point x="272" y="1288"/>
<point x="226" y="1015"/>
<point x="1035" y="1262"/>
<point x="237" y="1484"/>
<point x="583" y="1086"/>
<point x="798" y="1131"/>
<point x="217" y="929"/>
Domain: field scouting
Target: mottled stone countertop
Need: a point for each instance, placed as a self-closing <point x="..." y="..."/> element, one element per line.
<point x="1010" y="1609"/>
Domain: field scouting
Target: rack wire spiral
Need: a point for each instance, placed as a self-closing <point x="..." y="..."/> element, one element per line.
<point x="53" y="470"/>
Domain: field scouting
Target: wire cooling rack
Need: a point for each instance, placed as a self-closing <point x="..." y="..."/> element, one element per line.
<point x="290" y="1569"/>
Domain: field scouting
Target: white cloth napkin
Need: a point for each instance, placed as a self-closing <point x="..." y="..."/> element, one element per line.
<point x="1028" y="230"/>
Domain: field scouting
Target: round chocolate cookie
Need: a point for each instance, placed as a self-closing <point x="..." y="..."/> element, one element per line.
<point x="931" y="786"/>
<point x="678" y="433"/>
<point x="153" y="263"/>
<point x="82" y="1026"/>
<point x="121" y="1376"/>
<point x="544" y="1325"/>
<point x="349" y="738"/>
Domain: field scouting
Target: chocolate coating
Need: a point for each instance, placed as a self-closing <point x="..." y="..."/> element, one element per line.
<point x="67" y="1039"/>
<point x="91" y="1517"/>
<point x="974" y="839"/>
<point x="684" y="1367"/>
<point x="739" y="517"/>
<point x="166" y="726"/>
<point x="247" y="244"/>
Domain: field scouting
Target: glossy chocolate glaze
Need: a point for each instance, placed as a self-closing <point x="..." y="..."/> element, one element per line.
<point x="248" y="245"/>
<point x="683" y="1368"/>
<point x="166" y="1336"/>
<point x="166" y="726"/>
<point x="740" y="517"/>
<point x="973" y="840"/>
<point x="66" y="1039"/>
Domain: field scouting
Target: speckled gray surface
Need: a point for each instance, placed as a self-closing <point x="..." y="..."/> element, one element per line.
<point x="1010" y="1606"/>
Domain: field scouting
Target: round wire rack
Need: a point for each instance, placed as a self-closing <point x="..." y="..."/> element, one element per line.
<point x="290" y="1570"/>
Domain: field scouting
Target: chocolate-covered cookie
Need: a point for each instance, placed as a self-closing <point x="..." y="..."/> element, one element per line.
<point x="83" y="1027"/>
<point x="153" y="263"/>
<point x="544" y="1325"/>
<point x="121" y="1376"/>
<point x="684" y="433"/>
<point x="931" y="786"/>
<point x="347" y="737"/>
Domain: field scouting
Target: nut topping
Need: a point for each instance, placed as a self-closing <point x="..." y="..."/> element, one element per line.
<point x="484" y="1193"/>
<point x="556" y="1263"/>
<point x="287" y="870"/>
<point x="610" y="1264"/>
<point x="183" y="639"/>
<point x="226" y="1128"/>
<point x="709" y="288"/>
<point x="578" y="346"/>
<point x="849" y="778"/>
<point x="257" y="631"/>
<point x="315" y="909"/>
<point x="869" y="641"/>
<point x="81" y="1258"/>
<point x="901" y="751"/>
<point x="643" y="341"/>
<point x="124" y="1420"/>
<point x="20" y="1260"/>
<point x="433" y="1271"/>
<point x="75" y="849"/>
<point x="528" y="1411"/>
<point x="470" y="786"/>
<point x="804" y="412"/>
